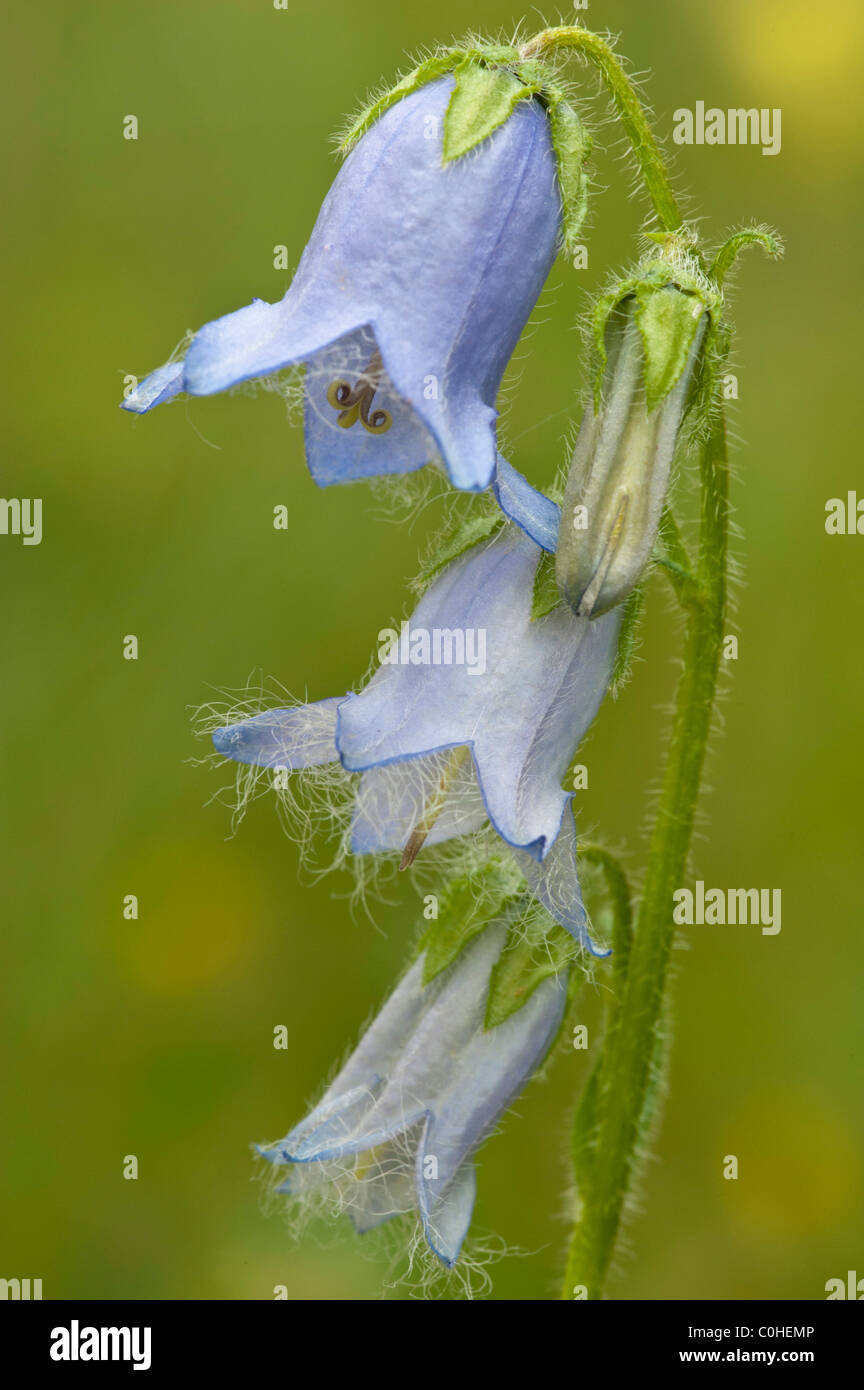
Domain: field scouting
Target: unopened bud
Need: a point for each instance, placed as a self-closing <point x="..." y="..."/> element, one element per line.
<point x="623" y="456"/>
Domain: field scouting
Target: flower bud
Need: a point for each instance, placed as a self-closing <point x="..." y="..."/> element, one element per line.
<point x="652" y="337"/>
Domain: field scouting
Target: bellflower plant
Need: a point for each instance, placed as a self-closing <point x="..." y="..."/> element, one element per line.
<point x="426" y="260"/>
<point x="454" y="759"/>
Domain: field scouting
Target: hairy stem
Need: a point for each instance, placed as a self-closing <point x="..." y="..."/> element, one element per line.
<point x="627" y="105"/>
<point x="625" y="1080"/>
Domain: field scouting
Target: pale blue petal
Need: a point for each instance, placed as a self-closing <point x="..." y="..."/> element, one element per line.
<point x="283" y="738"/>
<point x="555" y="884"/>
<point x="522" y="717"/>
<point x="391" y="800"/>
<point x="427" y="1073"/>
<point x="157" y="388"/>
<point x="446" y="1222"/>
<point x="336" y="454"/>
<point x="332" y="1121"/>
<point x="534" y="513"/>
<point x="481" y="1080"/>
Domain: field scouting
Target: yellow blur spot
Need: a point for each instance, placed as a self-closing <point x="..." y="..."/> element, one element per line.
<point x="803" y="57"/>
<point x="200" y="910"/>
<point x="799" y="1167"/>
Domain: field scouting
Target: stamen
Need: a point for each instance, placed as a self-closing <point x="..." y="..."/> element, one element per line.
<point x="355" y="403"/>
<point x="433" y="808"/>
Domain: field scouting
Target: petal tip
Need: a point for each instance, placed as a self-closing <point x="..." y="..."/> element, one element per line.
<point x="226" y="740"/>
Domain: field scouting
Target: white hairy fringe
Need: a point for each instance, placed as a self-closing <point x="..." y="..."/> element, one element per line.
<point x="316" y="805"/>
<point x="312" y="799"/>
<point x="287" y="383"/>
<point x="323" y="1192"/>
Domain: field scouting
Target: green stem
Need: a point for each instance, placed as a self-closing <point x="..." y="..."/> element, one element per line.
<point x="625" y="1078"/>
<point x="627" y="105"/>
<point x="731" y="249"/>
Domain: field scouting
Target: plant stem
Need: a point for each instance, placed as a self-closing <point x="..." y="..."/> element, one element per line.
<point x="627" y="105"/>
<point x="625" y="1074"/>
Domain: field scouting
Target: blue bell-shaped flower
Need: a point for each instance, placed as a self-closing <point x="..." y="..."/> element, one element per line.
<point x="409" y="299"/>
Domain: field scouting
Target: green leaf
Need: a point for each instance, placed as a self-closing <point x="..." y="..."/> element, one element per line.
<point x="667" y="318"/>
<point x="546" y="595"/>
<point x="466" y="533"/>
<point x="534" y="950"/>
<point x="572" y="145"/>
<point x="481" y="101"/>
<point x="467" y="905"/>
<point x="425" y="72"/>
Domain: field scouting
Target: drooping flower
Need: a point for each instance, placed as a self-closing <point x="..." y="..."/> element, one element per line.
<point x="651" y="331"/>
<point x="409" y="299"/>
<point x="473" y="715"/>
<point x="397" y="1130"/>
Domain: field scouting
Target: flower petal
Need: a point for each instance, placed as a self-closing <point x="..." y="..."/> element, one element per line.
<point x="448" y="1216"/>
<point x="483" y="1078"/>
<point x="285" y="738"/>
<point x="157" y="388"/>
<point x="391" y="801"/>
<point x="522" y="716"/>
<point x="440" y="265"/>
<point x="331" y="1123"/>
<point x="534" y="513"/>
<point x="555" y="884"/>
<point x="425" y="1086"/>
<point x="342" y="445"/>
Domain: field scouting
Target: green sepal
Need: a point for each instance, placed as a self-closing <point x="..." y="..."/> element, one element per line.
<point x="672" y="296"/>
<point x="572" y="146"/>
<point x="464" y="535"/>
<point x="483" y="98"/>
<point x="631" y="616"/>
<point x="436" y="66"/>
<point x="667" y="320"/>
<point x="535" y="948"/>
<point x="467" y="905"/>
<point x="546" y="594"/>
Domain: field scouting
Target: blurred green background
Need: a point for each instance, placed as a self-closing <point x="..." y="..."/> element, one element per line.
<point x="154" y="1037"/>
